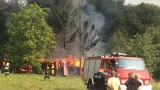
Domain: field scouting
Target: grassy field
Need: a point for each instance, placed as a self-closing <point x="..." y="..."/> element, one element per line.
<point x="36" y="82"/>
<point x="156" y="86"/>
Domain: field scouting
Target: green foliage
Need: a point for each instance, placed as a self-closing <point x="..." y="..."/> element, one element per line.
<point x="136" y="31"/>
<point x="30" y="37"/>
<point x="5" y="13"/>
<point x="148" y="14"/>
<point x="62" y="18"/>
<point x="143" y="47"/>
<point x="139" y="17"/>
<point x="154" y="32"/>
<point x="118" y="42"/>
<point x="62" y="13"/>
<point x="3" y="30"/>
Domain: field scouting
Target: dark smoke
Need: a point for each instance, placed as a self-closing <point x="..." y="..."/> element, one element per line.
<point x="102" y="14"/>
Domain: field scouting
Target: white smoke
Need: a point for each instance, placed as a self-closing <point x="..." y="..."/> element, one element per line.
<point x="97" y="19"/>
<point x="21" y="2"/>
<point x="88" y="12"/>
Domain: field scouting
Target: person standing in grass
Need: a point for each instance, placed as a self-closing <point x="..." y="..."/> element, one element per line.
<point x="6" y="68"/>
<point x="47" y="72"/>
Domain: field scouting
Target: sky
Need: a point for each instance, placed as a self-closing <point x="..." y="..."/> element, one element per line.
<point x="156" y="2"/>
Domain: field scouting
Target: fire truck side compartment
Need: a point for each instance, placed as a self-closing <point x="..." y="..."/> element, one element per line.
<point x="90" y="67"/>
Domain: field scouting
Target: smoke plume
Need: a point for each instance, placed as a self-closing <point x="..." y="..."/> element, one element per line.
<point x="89" y="13"/>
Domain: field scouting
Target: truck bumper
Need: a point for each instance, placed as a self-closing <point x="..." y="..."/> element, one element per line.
<point x="144" y="87"/>
<point x="147" y="87"/>
<point x="123" y="87"/>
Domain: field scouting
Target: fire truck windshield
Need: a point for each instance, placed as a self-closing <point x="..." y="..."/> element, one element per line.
<point x="131" y="64"/>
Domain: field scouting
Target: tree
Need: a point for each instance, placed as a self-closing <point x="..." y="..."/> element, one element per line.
<point x="136" y="32"/>
<point x="30" y="37"/>
<point x="65" y="18"/>
<point x="118" y="42"/>
<point x="139" y="17"/>
<point x="155" y="52"/>
<point x="3" y="31"/>
<point x="87" y="37"/>
<point x="5" y="13"/>
<point x="142" y="46"/>
<point x="62" y="17"/>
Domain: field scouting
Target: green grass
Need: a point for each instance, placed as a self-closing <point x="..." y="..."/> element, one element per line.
<point x="156" y="86"/>
<point x="36" y="82"/>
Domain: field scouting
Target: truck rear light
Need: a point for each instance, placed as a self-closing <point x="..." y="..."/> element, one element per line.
<point x="147" y="82"/>
<point x="123" y="81"/>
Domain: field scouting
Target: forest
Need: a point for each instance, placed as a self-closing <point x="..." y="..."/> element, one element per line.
<point x="41" y="28"/>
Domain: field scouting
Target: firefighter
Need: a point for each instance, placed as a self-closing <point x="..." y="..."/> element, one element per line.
<point x="6" y="68"/>
<point x="113" y="65"/>
<point x="99" y="80"/>
<point x="47" y="72"/>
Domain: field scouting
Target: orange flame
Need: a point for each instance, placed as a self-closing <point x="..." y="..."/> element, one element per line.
<point x="65" y="63"/>
<point x="70" y="60"/>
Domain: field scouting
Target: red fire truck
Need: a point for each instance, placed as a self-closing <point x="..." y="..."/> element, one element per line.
<point x="121" y="63"/>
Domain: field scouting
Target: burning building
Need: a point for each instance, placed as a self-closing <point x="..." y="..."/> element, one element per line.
<point x="62" y="66"/>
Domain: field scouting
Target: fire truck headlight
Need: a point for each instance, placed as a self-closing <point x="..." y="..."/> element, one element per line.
<point x="123" y="81"/>
<point x="146" y="82"/>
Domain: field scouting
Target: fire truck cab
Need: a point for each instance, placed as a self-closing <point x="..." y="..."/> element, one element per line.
<point x="122" y="64"/>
